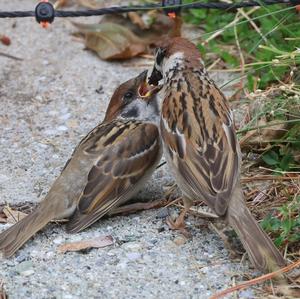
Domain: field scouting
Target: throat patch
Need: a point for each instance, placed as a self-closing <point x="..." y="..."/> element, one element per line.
<point x="131" y="113"/>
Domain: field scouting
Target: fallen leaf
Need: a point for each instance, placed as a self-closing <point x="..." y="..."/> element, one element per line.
<point x="12" y="215"/>
<point x="60" y="3"/>
<point x="92" y="4"/>
<point x="99" y="242"/>
<point x="262" y="137"/>
<point x="117" y="37"/>
<point x="136" y="19"/>
<point x="111" y="41"/>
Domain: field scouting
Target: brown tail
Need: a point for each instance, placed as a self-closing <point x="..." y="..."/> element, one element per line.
<point x="262" y="252"/>
<point x="14" y="237"/>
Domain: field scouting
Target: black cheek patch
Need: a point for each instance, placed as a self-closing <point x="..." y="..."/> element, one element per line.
<point x="131" y="113"/>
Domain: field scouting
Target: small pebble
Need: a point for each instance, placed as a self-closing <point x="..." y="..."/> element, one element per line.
<point x="133" y="256"/>
<point x="27" y="272"/>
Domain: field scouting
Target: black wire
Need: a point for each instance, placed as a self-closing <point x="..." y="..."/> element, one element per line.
<point x="124" y="9"/>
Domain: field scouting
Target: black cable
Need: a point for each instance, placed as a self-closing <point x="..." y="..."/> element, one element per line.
<point x="124" y="9"/>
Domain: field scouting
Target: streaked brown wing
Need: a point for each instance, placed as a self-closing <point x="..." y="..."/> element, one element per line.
<point x="128" y="151"/>
<point x="202" y="144"/>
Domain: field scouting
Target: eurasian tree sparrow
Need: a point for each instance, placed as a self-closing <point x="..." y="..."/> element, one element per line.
<point x="201" y="146"/>
<point x="108" y="167"/>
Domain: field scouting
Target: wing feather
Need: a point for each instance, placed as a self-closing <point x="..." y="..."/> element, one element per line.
<point x="208" y="163"/>
<point x="127" y="152"/>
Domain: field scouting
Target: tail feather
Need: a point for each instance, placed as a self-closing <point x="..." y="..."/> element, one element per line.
<point x="262" y="252"/>
<point x="14" y="237"/>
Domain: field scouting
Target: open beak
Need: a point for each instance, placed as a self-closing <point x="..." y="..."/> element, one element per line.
<point x="147" y="90"/>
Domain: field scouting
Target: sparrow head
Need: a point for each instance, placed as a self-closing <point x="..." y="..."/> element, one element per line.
<point x="172" y="53"/>
<point x="134" y="99"/>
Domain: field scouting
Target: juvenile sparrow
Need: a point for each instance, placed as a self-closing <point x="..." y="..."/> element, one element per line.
<point x="201" y="146"/>
<point x="109" y="166"/>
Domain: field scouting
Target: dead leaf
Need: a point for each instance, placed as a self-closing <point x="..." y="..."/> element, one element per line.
<point x="287" y="291"/>
<point x="111" y="41"/>
<point x="118" y="37"/>
<point x="263" y="137"/>
<point x="136" y="19"/>
<point x="60" y="3"/>
<point x="13" y="216"/>
<point x="91" y="4"/>
<point x="99" y="242"/>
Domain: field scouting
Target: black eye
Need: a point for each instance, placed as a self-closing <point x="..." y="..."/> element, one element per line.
<point x="128" y="96"/>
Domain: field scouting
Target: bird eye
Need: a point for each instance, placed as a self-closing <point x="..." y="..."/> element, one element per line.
<point x="128" y="96"/>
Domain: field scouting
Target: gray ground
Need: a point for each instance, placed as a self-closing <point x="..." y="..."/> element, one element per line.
<point x="47" y="104"/>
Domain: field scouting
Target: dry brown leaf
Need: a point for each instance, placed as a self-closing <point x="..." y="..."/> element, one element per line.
<point x="286" y="291"/>
<point x="262" y="137"/>
<point x="116" y="37"/>
<point x="136" y="19"/>
<point x="91" y="4"/>
<point x="60" y="3"/>
<point x="111" y="41"/>
<point x="99" y="242"/>
<point x="13" y="216"/>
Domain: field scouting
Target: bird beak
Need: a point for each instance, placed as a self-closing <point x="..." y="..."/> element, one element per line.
<point x="146" y="90"/>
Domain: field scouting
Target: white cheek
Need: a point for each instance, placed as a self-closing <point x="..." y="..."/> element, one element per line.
<point x="145" y="111"/>
<point x="172" y="62"/>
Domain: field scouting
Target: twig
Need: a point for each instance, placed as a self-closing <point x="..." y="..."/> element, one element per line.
<point x="268" y="178"/>
<point x="233" y="23"/>
<point x="242" y="12"/>
<point x="199" y="212"/>
<point x="2" y="292"/>
<point x="241" y="83"/>
<point x="256" y="280"/>
<point x="139" y="206"/>
<point x="279" y="171"/>
<point x="209" y="68"/>
<point x="10" y="56"/>
<point x="268" y="125"/>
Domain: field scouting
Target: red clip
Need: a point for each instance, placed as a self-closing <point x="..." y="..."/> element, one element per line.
<point x="172" y="15"/>
<point x="44" y="25"/>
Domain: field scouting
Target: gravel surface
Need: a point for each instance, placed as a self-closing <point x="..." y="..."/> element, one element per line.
<point x="47" y="104"/>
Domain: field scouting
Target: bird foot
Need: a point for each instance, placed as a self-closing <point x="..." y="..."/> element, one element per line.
<point x="178" y="224"/>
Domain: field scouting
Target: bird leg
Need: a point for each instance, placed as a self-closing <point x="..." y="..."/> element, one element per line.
<point x="179" y="223"/>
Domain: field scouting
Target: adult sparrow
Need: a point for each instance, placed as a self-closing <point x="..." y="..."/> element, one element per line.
<point x="109" y="166"/>
<point x="201" y="146"/>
